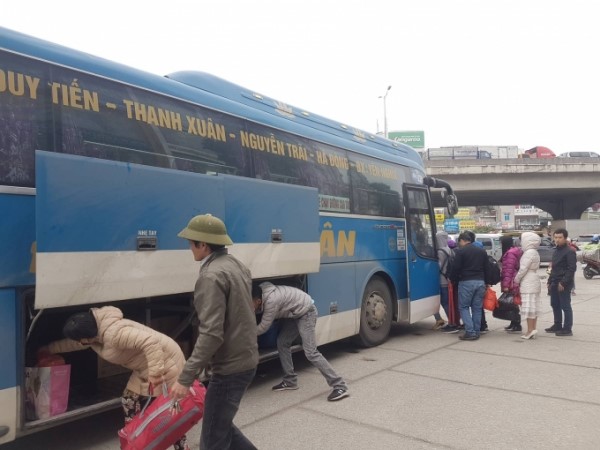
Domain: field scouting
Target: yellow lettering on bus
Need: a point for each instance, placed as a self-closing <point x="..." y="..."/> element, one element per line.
<point x="74" y="97"/>
<point x="19" y="84"/>
<point x="152" y="115"/>
<point x="344" y="245"/>
<point x="321" y="158"/>
<point x="139" y="110"/>
<point x="297" y="152"/>
<point x="262" y="143"/>
<point x="338" y="161"/>
<point x="175" y="121"/>
<point x="206" y="128"/>
<point x="327" y="243"/>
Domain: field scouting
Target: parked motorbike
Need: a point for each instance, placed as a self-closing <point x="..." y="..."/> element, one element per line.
<point x="591" y="269"/>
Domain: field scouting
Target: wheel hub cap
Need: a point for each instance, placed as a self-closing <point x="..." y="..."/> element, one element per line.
<point x="375" y="311"/>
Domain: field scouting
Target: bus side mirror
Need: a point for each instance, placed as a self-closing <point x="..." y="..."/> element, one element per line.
<point x="451" y="204"/>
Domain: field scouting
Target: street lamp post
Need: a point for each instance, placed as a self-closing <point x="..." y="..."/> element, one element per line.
<point x="385" y="128"/>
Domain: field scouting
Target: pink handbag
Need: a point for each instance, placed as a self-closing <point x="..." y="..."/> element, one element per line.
<point x="47" y="390"/>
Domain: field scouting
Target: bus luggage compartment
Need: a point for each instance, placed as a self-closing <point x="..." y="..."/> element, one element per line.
<point x="91" y="214"/>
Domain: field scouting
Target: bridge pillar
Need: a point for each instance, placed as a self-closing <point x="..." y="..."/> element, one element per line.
<point x="570" y="207"/>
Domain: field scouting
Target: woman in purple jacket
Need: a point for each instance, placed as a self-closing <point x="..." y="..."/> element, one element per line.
<point x="510" y="266"/>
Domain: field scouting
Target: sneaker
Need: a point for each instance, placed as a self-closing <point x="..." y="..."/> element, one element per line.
<point x="509" y="327"/>
<point x="338" y="394"/>
<point x="439" y="324"/>
<point x="484" y="330"/>
<point x="449" y="329"/>
<point x="552" y="329"/>
<point x="283" y="386"/>
<point x="468" y="337"/>
<point x="515" y="329"/>
<point x="564" y="333"/>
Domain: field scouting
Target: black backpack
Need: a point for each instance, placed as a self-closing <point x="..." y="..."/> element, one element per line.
<point x="448" y="266"/>
<point x="491" y="271"/>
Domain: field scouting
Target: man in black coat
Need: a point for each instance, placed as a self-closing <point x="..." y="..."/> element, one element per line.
<point x="468" y="271"/>
<point x="560" y="283"/>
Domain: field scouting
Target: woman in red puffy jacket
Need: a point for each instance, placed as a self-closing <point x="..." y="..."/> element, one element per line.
<point x="510" y="266"/>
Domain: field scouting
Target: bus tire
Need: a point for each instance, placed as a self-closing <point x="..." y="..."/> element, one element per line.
<point x="375" y="313"/>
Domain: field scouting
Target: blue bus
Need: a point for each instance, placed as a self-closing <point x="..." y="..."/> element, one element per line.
<point x="101" y="165"/>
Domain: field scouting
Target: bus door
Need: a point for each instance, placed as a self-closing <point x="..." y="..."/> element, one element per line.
<point x="421" y="254"/>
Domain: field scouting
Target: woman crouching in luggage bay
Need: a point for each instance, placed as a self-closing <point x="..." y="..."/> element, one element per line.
<point x="152" y="357"/>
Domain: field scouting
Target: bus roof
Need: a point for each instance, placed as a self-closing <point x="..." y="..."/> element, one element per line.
<point x="232" y="91"/>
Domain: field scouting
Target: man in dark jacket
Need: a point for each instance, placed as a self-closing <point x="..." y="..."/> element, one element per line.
<point x="468" y="272"/>
<point x="226" y="341"/>
<point x="560" y="284"/>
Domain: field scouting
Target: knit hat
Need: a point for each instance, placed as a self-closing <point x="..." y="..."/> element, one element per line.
<point x="81" y="326"/>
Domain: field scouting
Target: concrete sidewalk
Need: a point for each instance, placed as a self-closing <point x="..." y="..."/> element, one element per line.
<point x="424" y="389"/>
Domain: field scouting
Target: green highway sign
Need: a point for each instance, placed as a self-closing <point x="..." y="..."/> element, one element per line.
<point x="416" y="139"/>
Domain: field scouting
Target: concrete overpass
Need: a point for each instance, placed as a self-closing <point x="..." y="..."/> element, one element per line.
<point x="563" y="187"/>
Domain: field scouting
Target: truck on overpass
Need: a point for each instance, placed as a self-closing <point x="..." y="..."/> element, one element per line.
<point x="538" y="152"/>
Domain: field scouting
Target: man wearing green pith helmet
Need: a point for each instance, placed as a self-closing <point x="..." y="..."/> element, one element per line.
<point x="226" y="341"/>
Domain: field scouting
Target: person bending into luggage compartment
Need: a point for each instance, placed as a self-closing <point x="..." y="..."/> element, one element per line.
<point x="299" y="317"/>
<point x="152" y="357"/>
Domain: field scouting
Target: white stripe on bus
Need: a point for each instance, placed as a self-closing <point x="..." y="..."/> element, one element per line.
<point x="78" y="278"/>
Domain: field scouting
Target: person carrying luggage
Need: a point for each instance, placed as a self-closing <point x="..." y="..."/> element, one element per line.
<point x="152" y="357"/>
<point x="226" y="341"/>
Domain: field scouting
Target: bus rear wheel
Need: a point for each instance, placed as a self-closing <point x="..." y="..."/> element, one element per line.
<point x="375" y="313"/>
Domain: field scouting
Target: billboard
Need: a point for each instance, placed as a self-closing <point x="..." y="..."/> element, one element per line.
<point x="416" y="139"/>
<point x="451" y="225"/>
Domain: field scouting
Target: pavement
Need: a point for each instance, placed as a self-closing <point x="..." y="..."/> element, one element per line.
<point x="422" y="389"/>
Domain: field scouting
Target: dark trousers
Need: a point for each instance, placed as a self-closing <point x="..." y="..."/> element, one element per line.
<point x="453" y="311"/>
<point x="561" y="303"/>
<point x="223" y="397"/>
<point x="444" y="302"/>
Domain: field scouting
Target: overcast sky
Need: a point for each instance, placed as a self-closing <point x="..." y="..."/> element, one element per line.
<point x="467" y="72"/>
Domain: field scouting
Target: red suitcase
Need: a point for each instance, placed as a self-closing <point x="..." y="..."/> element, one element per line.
<point x="159" y="425"/>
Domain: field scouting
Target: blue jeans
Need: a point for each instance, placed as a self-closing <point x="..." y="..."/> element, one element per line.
<point x="470" y="304"/>
<point x="561" y="302"/>
<point x="221" y="404"/>
<point x="304" y="326"/>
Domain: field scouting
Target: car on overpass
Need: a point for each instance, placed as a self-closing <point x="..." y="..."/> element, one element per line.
<point x="578" y="155"/>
